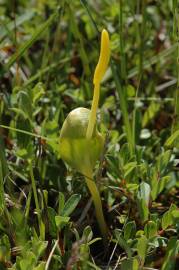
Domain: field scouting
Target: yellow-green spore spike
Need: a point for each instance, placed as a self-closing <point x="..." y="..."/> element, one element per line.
<point x="103" y="58"/>
<point x="98" y="75"/>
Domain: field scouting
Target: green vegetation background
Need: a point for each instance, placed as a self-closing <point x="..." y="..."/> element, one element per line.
<point x="48" y="52"/>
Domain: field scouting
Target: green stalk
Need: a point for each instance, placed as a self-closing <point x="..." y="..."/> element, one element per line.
<point x="34" y="188"/>
<point x="121" y="83"/>
<point x="142" y="30"/>
<point x="2" y="199"/>
<point x="122" y="45"/>
<point x="97" y="203"/>
<point x="141" y="40"/>
<point x="124" y="109"/>
<point x="175" y="125"/>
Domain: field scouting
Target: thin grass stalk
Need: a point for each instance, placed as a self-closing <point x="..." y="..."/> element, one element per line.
<point x="122" y="44"/>
<point x="34" y="188"/>
<point x="175" y="125"/>
<point x="141" y="30"/>
<point x="124" y="108"/>
<point x="2" y="199"/>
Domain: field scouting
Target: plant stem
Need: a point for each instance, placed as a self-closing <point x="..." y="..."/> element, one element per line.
<point x="175" y="125"/>
<point x="2" y="199"/>
<point x="124" y="108"/>
<point x="35" y="198"/>
<point x="122" y="45"/>
<point x="98" y="205"/>
<point x="92" y="118"/>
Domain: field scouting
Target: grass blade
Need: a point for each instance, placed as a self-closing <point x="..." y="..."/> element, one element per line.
<point x="124" y="109"/>
<point x="29" y="42"/>
<point x="175" y="125"/>
<point x="3" y="173"/>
